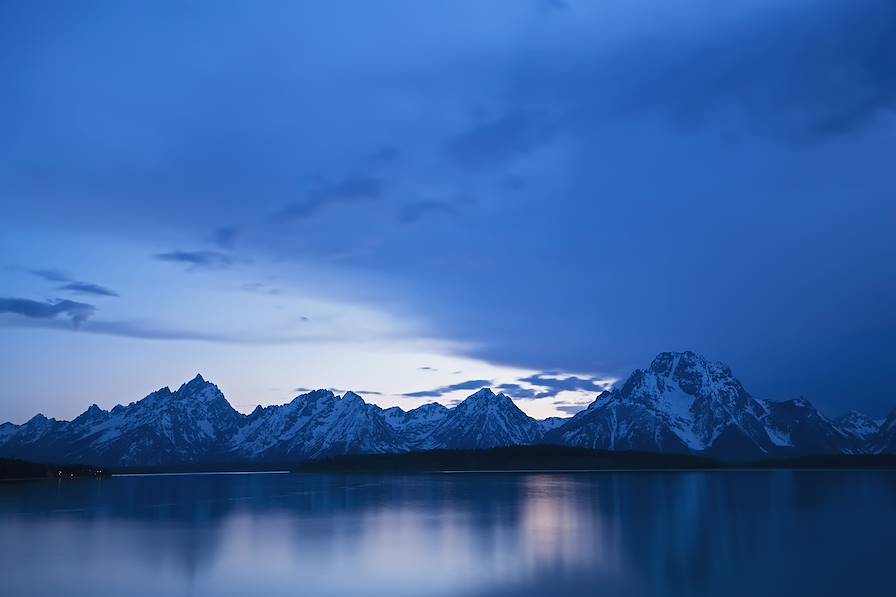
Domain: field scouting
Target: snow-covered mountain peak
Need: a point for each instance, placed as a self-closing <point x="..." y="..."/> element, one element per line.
<point x="665" y="362"/>
<point x="857" y="424"/>
<point x="416" y="424"/>
<point x="199" y="388"/>
<point x="430" y="408"/>
<point x="485" y="419"/>
<point x="485" y="398"/>
<point x="682" y="402"/>
<point x="693" y="373"/>
<point x="159" y="395"/>
<point x="93" y="414"/>
<point x="315" y="396"/>
<point x="351" y="397"/>
<point x="482" y="394"/>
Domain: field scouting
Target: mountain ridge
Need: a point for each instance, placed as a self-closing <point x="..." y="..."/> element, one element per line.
<point x="682" y="403"/>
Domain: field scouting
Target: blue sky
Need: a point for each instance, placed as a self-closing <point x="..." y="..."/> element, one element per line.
<point x="409" y="197"/>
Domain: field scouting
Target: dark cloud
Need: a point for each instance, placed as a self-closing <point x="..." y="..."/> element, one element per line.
<point x="359" y="392"/>
<point x="571" y="409"/>
<point x="144" y="330"/>
<point x="473" y="384"/>
<point x="796" y="72"/>
<point x="197" y="259"/>
<point x="153" y="331"/>
<point x="554" y="384"/>
<point x="88" y="288"/>
<point x="225" y="237"/>
<point x="515" y="390"/>
<point x="412" y="211"/>
<point x="350" y="190"/>
<point x="71" y="284"/>
<point x="663" y="193"/>
<point x="77" y="312"/>
<point x="550" y="383"/>
<point x="51" y="275"/>
<point x="340" y="391"/>
<point x="500" y="140"/>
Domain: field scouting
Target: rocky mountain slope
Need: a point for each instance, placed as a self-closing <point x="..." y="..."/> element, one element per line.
<point x="685" y="403"/>
<point x="682" y="403"/>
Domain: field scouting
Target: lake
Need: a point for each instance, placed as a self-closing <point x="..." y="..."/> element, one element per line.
<point x="481" y="534"/>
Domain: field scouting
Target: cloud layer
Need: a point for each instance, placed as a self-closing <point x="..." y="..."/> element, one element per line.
<point x="76" y="312"/>
<point x="552" y="186"/>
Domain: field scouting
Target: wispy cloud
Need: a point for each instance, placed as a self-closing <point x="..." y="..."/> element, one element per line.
<point x="570" y="408"/>
<point x="515" y="390"/>
<point x="502" y="139"/>
<point x="472" y="384"/>
<point x="225" y="237"/>
<point x="552" y="384"/>
<point x="359" y="392"/>
<point x="41" y="315"/>
<point x="71" y="284"/>
<point x="197" y="259"/>
<point x="349" y="190"/>
<point x="88" y="288"/>
<point x="51" y="275"/>
<point x="301" y="390"/>
<point x="78" y="313"/>
<point x="260" y="288"/>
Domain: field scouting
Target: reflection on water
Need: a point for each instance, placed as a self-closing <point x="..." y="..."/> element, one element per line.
<point x="723" y="533"/>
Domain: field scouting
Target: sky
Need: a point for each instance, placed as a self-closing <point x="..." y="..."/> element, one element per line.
<point x="415" y="199"/>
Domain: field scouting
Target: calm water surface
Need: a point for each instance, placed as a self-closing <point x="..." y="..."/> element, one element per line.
<point x="657" y="534"/>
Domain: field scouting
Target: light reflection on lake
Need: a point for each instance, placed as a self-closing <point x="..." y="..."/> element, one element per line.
<point x="719" y="533"/>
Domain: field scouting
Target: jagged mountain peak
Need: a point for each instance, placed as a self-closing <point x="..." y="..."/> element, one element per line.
<point x="39" y="419"/>
<point x="692" y="372"/>
<point x="196" y="386"/>
<point x="484" y="398"/>
<point x="483" y="393"/>
<point x="430" y="407"/>
<point x="160" y="394"/>
<point x="484" y="420"/>
<point x="857" y="424"/>
<point x="682" y="402"/>
<point x="352" y="397"/>
<point x="663" y="362"/>
<point x="316" y="395"/>
<point x="93" y="413"/>
<point x="890" y="420"/>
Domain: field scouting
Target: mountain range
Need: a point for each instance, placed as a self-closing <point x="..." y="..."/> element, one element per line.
<point x="682" y="403"/>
